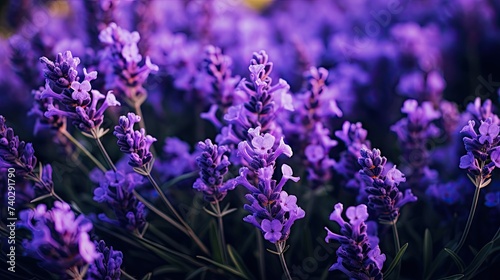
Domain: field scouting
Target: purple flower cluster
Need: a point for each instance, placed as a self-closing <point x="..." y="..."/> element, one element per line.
<point x="115" y="190"/>
<point x="359" y="255"/>
<point x="414" y="132"/>
<point x="483" y="153"/>
<point x="314" y="108"/>
<point x="272" y="210"/>
<point x="125" y="75"/>
<point x="15" y="153"/>
<point x="59" y="240"/>
<point x="175" y="159"/>
<point x="262" y="103"/>
<point x="69" y="98"/>
<point x="218" y="66"/>
<point x="355" y="139"/>
<point x="213" y="164"/>
<point x="106" y="265"/>
<point x="134" y="142"/>
<point x="384" y="196"/>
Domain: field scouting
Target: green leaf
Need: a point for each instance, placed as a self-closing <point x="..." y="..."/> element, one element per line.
<point x="196" y="273"/>
<point x="453" y="277"/>
<point x="215" y="242"/>
<point x="479" y="259"/>
<point x="147" y="276"/>
<point x="227" y="212"/>
<point x="41" y="198"/>
<point x="166" y="269"/>
<point x="472" y="180"/>
<point x="427" y="250"/>
<point x="238" y="262"/>
<point x="396" y="260"/>
<point x="458" y="261"/>
<point x="485" y="183"/>
<point x="225" y="267"/>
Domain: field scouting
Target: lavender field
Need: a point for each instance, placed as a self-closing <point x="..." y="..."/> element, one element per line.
<point x="250" y="139"/>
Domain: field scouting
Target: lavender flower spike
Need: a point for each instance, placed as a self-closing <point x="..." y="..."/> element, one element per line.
<point x="213" y="166"/>
<point x="58" y="254"/>
<point x="483" y="154"/>
<point x="115" y="189"/>
<point x="133" y="142"/>
<point x="383" y="194"/>
<point x="15" y="153"/>
<point x="359" y="255"/>
<point x="107" y="264"/>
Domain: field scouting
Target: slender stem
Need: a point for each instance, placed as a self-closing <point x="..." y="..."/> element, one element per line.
<point x="262" y="264"/>
<point x="280" y="246"/>
<point x="221" y="232"/>
<point x="470" y="218"/>
<point x="397" y="246"/>
<point x="83" y="149"/>
<point x="103" y="151"/>
<point x="190" y="231"/>
<point x="138" y="111"/>
<point x="126" y="275"/>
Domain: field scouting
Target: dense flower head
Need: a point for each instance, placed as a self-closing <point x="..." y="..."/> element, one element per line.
<point x="40" y="106"/>
<point x="223" y="84"/>
<point x="482" y="111"/>
<point x="355" y="139"/>
<point x="272" y="210"/>
<point x="134" y="142"/>
<point x="78" y="101"/>
<point x="413" y="133"/>
<point x="125" y="75"/>
<point x="106" y="265"/>
<point x="115" y="190"/>
<point x="483" y="153"/>
<point x="59" y="240"/>
<point x="61" y="73"/>
<point x="261" y="150"/>
<point x="15" y="153"/>
<point x="262" y="103"/>
<point x="359" y="255"/>
<point x="213" y="164"/>
<point x="384" y="196"/>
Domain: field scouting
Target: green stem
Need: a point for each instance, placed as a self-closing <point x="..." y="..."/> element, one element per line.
<point x="280" y="246"/>
<point x="189" y="231"/>
<point x="397" y="246"/>
<point x="221" y="232"/>
<point x="83" y="149"/>
<point x="103" y="151"/>
<point x="470" y="218"/>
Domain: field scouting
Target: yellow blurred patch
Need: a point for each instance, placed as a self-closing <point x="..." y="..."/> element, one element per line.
<point x="258" y="4"/>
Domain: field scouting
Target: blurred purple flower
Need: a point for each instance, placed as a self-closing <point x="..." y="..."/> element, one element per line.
<point x="47" y="226"/>
<point x="106" y="265"/>
<point x="115" y="190"/>
<point x="15" y="153"/>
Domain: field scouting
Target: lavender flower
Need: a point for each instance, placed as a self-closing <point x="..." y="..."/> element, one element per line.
<point x="359" y="255"/>
<point x="260" y="151"/>
<point x="40" y="106"/>
<point x="47" y="227"/>
<point x="483" y="111"/>
<point x="213" y="164"/>
<point x="272" y="210"/>
<point x="69" y="98"/>
<point x="483" y="153"/>
<point x="383" y="193"/>
<point x="414" y="132"/>
<point x="122" y="53"/>
<point x="61" y="73"/>
<point x="263" y="101"/>
<point x="106" y="265"/>
<point x="133" y="142"/>
<point x="354" y="137"/>
<point x="15" y="153"/>
<point x="115" y="189"/>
